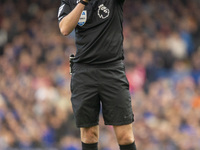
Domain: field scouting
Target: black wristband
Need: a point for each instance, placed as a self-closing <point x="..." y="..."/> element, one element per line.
<point x="83" y="2"/>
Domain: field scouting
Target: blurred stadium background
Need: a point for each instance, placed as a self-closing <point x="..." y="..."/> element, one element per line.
<point x="162" y="50"/>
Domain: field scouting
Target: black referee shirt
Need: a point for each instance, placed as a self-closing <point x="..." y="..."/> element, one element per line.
<point x="99" y="33"/>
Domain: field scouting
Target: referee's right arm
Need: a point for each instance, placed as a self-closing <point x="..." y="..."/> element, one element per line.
<point x="70" y="21"/>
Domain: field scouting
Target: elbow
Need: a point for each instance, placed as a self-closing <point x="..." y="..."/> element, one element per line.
<point x="64" y="32"/>
<point x="65" y="28"/>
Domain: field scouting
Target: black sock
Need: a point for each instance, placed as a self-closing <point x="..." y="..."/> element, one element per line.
<point x="86" y="146"/>
<point x="128" y="147"/>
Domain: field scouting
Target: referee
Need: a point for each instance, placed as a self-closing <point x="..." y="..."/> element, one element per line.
<point x="98" y="73"/>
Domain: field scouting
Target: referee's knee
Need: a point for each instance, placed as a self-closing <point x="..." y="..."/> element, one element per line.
<point x="124" y="134"/>
<point x="125" y="139"/>
<point x="90" y="134"/>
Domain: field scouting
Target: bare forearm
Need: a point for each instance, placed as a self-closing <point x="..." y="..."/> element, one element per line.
<point x="69" y="22"/>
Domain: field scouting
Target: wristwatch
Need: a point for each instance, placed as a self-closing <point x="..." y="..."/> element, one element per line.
<point x="83" y="2"/>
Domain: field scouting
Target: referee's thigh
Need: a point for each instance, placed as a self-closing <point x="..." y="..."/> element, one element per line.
<point x="115" y="96"/>
<point x="85" y="99"/>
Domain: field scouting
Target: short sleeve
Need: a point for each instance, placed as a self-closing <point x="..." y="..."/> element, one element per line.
<point x="63" y="10"/>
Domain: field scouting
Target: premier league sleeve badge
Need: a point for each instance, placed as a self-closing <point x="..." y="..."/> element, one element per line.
<point x="83" y="18"/>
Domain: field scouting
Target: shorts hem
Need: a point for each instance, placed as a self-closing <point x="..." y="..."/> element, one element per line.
<point x="87" y="125"/>
<point x="119" y="123"/>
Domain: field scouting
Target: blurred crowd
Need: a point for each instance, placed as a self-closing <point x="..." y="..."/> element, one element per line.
<point x="162" y="58"/>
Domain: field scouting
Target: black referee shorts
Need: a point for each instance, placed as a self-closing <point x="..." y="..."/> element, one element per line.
<point x="106" y="84"/>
